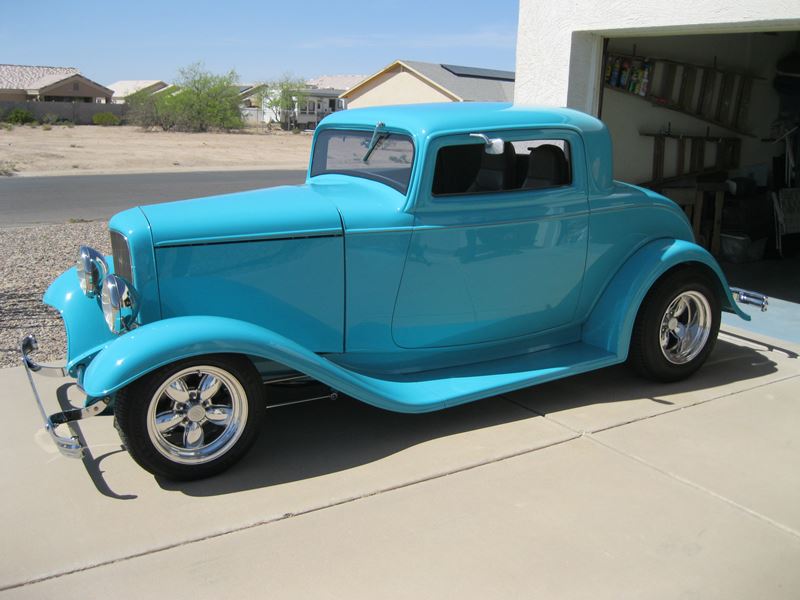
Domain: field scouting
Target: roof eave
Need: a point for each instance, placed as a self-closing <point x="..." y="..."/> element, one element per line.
<point x="388" y="68"/>
<point x="61" y="81"/>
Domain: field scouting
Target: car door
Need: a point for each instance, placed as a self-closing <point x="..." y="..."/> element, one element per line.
<point x="487" y="264"/>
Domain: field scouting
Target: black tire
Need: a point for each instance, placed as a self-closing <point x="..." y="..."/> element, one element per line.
<point x="177" y="440"/>
<point x="663" y="358"/>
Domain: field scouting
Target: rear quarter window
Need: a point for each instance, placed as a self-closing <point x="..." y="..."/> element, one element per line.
<point x="523" y="165"/>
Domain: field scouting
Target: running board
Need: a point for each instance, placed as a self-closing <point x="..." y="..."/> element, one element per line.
<point x="440" y="388"/>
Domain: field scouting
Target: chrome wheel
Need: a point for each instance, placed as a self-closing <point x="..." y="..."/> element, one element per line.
<point x="197" y="415"/>
<point x="685" y="327"/>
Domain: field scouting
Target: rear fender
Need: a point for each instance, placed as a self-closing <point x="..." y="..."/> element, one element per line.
<point x="610" y="323"/>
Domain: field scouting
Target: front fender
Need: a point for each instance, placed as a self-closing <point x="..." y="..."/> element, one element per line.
<point x="154" y="345"/>
<point x="130" y="356"/>
<point x="610" y="323"/>
<point x="83" y="317"/>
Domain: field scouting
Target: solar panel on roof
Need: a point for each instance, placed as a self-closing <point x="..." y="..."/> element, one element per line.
<point x="480" y="73"/>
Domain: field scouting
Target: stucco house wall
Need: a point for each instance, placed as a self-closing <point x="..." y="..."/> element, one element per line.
<point x="398" y="87"/>
<point x="76" y="87"/>
<point x="15" y="96"/>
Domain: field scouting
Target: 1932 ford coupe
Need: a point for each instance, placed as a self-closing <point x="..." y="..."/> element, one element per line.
<point x="436" y="254"/>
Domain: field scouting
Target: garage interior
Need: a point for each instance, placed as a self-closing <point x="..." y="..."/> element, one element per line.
<point x="711" y="121"/>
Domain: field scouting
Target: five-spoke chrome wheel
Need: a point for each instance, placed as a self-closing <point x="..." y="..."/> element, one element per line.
<point x="193" y="418"/>
<point x="197" y="414"/>
<point x="685" y="327"/>
<point x="677" y="325"/>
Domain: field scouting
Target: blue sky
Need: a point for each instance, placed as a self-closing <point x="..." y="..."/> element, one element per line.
<point x="148" y="39"/>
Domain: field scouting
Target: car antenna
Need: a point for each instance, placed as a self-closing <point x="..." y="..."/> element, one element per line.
<point x="374" y="141"/>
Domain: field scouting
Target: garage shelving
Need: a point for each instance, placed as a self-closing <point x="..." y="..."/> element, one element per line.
<point x="718" y="96"/>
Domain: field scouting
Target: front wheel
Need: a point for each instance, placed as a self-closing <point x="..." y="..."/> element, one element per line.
<point x="193" y="418"/>
<point x="676" y="327"/>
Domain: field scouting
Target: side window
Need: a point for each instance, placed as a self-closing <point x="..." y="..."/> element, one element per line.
<point x="523" y="165"/>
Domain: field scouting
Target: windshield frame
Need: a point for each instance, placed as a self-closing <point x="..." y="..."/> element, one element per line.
<point x="385" y="133"/>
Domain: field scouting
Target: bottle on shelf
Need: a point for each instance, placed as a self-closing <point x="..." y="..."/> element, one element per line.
<point x="645" y="82"/>
<point x="624" y="74"/>
<point x="635" y="78"/>
<point x="614" y="81"/>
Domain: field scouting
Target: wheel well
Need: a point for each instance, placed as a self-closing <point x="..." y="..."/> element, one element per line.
<point x="713" y="278"/>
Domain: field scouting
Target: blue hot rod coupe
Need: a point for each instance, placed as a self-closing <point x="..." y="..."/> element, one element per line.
<point x="436" y="254"/>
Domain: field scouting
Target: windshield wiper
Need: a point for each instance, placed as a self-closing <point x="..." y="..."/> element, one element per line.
<point x="374" y="141"/>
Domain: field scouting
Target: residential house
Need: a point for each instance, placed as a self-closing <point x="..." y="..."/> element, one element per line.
<point x="251" y="101"/>
<point x="250" y="94"/>
<point x="311" y="105"/>
<point x="21" y="83"/>
<point x="316" y="105"/>
<point x="409" y="82"/>
<point x="127" y="87"/>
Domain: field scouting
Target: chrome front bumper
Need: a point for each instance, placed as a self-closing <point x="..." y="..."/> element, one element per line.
<point x="752" y="298"/>
<point x="68" y="446"/>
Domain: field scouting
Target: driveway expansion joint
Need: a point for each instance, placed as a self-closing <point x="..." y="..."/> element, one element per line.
<point x="284" y="517"/>
<point x="698" y="487"/>
<point x="590" y="435"/>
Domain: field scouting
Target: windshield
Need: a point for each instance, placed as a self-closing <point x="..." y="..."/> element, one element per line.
<point x="343" y="151"/>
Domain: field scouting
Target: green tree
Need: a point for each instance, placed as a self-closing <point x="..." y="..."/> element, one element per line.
<point x="201" y="101"/>
<point x="143" y="109"/>
<point x="283" y="95"/>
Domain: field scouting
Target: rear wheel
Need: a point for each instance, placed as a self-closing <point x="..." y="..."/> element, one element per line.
<point x="676" y="327"/>
<point x="191" y="419"/>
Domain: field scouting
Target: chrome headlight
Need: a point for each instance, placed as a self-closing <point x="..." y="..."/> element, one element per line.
<point x="120" y="305"/>
<point x="92" y="268"/>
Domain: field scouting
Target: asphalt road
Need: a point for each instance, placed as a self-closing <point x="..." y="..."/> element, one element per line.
<point x="27" y="200"/>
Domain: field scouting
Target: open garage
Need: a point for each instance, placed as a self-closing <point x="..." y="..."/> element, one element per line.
<point x="703" y="106"/>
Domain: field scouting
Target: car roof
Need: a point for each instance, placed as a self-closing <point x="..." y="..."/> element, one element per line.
<point x="423" y="120"/>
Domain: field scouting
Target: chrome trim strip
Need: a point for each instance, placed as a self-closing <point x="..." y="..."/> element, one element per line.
<point x="286" y="379"/>
<point x="331" y="396"/>
<point x="261" y="237"/>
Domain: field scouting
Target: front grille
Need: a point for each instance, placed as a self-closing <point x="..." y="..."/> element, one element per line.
<point x="122" y="256"/>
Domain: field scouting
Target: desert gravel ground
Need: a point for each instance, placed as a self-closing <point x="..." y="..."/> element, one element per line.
<point x="89" y="149"/>
<point x="32" y="257"/>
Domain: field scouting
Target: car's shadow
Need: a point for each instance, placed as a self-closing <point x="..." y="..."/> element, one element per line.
<point x="323" y="437"/>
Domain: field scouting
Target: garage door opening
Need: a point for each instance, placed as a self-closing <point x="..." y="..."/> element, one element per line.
<point x="711" y="121"/>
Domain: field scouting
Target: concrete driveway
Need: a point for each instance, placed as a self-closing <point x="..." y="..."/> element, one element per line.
<point x="599" y="486"/>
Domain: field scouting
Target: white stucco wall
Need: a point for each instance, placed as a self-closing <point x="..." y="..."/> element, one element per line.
<point x="550" y="33"/>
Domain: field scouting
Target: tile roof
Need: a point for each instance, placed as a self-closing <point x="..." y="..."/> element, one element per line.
<point x="335" y="82"/>
<point x="30" y="77"/>
<point x="126" y="87"/>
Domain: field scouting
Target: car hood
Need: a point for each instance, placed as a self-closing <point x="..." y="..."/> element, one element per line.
<point x="279" y="212"/>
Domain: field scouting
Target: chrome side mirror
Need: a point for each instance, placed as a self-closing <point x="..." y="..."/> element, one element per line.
<point x="92" y="268"/>
<point x="492" y="145"/>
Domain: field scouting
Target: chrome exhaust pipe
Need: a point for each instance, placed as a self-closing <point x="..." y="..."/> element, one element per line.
<point x="752" y="298"/>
